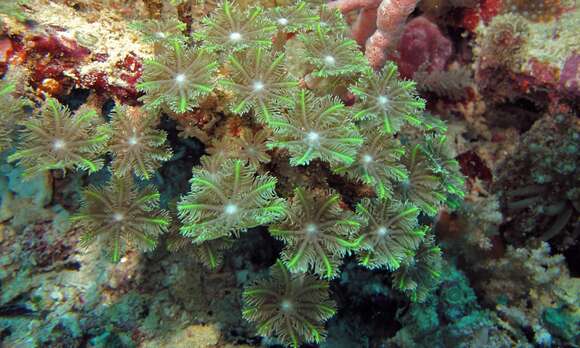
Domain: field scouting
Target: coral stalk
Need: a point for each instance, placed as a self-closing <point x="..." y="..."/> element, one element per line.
<point x="391" y="15"/>
<point x="366" y="22"/>
<point x="384" y="20"/>
<point x="364" y="26"/>
<point x="345" y="6"/>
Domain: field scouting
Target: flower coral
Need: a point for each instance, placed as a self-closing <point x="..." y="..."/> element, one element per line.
<point x="295" y="18"/>
<point x="330" y="55"/>
<point x="392" y="233"/>
<point x="209" y="253"/>
<point x="378" y="164"/>
<point x="228" y="199"/>
<point x="387" y="100"/>
<point x="251" y="147"/>
<point x="231" y="29"/>
<point x="444" y="164"/>
<point x="422" y="186"/>
<point x="317" y="233"/>
<point x="290" y="307"/>
<point x="330" y="18"/>
<point x="121" y="215"/>
<point x="11" y="111"/>
<point x="419" y="274"/>
<point x="157" y="31"/>
<point x="56" y="139"/>
<point x="256" y="80"/>
<point x="314" y="127"/>
<point x="177" y="78"/>
<point x="134" y="142"/>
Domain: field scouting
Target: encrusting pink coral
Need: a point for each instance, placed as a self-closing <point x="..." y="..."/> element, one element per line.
<point x="381" y="20"/>
<point x="422" y="43"/>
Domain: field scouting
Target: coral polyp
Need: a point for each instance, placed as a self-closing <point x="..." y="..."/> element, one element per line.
<point x="230" y="28"/>
<point x="437" y="150"/>
<point x="297" y="18"/>
<point x="228" y="200"/>
<point x="12" y="109"/>
<point x="422" y="186"/>
<point x="330" y="55"/>
<point x="378" y="164"/>
<point x="317" y="233"/>
<point x="387" y="101"/>
<point x="420" y="273"/>
<point x="257" y="79"/>
<point x="251" y="147"/>
<point x="314" y="128"/>
<point x="122" y="216"/>
<point x="156" y="31"/>
<point x="178" y="78"/>
<point x="137" y="147"/>
<point x="392" y="233"/>
<point x="290" y="307"/>
<point x="54" y="138"/>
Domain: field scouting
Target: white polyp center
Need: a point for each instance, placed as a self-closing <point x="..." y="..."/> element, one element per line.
<point x="180" y="78"/>
<point x="258" y="86"/>
<point x="133" y="141"/>
<point x="286" y="305"/>
<point x="367" y="158"/>
<point x="283" y="21"/>
<point x="235" y="36"/>
<point x="312" y="137"/>
<point x="383" y="100"/>
<point x="311" y="229"/>
<point x="230" y="209"/>
<point x="381" y="231"/>
<point x="58" y="144"/>
<point x="160" y="35"/>
<point x="329" y="60"/>
<point x="118" y="217"/>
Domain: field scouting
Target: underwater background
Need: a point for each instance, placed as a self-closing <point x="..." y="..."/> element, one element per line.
<point x="337" y="174"/>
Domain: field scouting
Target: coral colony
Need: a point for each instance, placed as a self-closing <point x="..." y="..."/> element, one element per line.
<point x="348" y="173"/>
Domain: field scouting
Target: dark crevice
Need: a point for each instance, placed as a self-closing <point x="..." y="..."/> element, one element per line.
<point x="572" y="256"/>
<point x="173" y="176"/>
<point x="72" y="266"/>
<point x="76" y="98"/>
<point x="520" y="114"/>
<point x="107" y="108"/>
